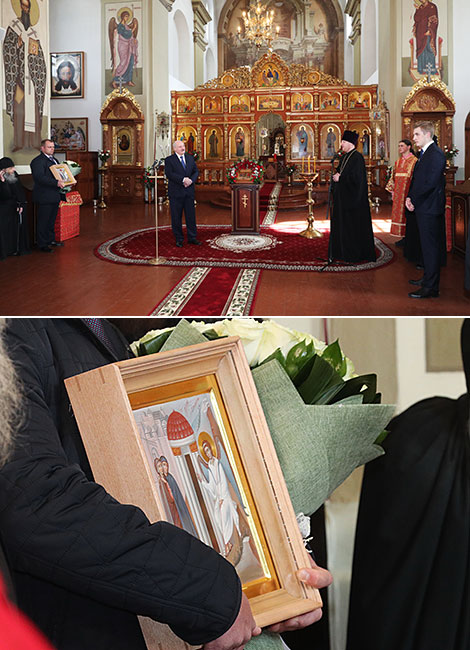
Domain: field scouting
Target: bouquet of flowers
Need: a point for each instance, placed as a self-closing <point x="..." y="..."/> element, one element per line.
<point x="248" y="168"/>
<point x="148" y="176"/>
<point x="74" y="167"/>
<point x="450" y="152"/>
<point x="196" y="156"/>
<point x="103" y="155"/>
<point x="290" y="170"/>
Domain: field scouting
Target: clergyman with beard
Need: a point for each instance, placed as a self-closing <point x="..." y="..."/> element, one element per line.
<point x="13" y="222"/>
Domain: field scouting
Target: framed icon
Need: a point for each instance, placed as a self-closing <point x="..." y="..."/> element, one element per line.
<point x="191" y="419"/>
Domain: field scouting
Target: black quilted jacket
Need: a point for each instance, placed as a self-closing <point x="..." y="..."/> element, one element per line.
<point x="83" y="564"/>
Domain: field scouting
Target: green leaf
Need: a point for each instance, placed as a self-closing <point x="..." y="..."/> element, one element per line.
<point x="333" y="355"/>
<point x="352" y="399"/>
<point x="298" y="356"/>
<point x="381" y="437"/>
<point x="365" y="385"/>
<point x="321" y="377"/>
<point x="328" y="396"/>
<point x="212" y="335"/>
<point x="154" y="345"/>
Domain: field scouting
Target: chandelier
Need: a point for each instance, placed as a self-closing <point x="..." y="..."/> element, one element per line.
<point x="259" y="27"/>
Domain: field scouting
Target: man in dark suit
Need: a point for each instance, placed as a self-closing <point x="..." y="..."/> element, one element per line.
<point x="426" y="197"/>
<point x="47" y="196"/>
<point x="182" y="172"/>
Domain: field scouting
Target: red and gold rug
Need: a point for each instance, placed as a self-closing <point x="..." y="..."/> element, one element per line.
<point x="273" y="249"/>
<point x="206" y="291"/>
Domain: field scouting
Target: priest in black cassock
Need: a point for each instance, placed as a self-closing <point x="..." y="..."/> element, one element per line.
<point x="13" y="223"/>
<point x="351" y="236"/>
<point x="411" y="572"/>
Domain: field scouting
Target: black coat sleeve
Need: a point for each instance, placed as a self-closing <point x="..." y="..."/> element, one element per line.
<point x="64" y="528"/>
<point x="42" y="175"/>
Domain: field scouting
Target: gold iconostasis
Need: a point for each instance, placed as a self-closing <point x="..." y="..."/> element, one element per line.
<point x="289" y="112"/>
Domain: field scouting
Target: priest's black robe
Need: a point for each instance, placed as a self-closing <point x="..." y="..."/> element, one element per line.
<point x="411" y="573"/>
<point x="13" y="225"/>
<point x="351" y="236"/>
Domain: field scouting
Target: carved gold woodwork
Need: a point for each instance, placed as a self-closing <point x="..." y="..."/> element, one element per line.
<point x="122" y="120"/>
<point x="272" y="86"/>
<point x="429" y="100"/>
<point x="296" y="75"/>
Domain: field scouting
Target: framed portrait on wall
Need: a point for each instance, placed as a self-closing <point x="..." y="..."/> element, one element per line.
<point x="70" y="133"/>
<point x="190" y="425"/>
<point x="67" y="74"/>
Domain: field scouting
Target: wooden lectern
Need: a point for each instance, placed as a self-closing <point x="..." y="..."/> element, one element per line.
<point x="245" y="208"/>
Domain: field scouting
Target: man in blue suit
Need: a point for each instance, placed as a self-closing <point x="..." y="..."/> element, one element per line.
<point x="426" y="197"/>
<point x="181" y="171"/>
<point x="47" y="196"/>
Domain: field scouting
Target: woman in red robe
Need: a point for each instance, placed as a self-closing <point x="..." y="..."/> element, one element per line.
<point x="399" y="185"/>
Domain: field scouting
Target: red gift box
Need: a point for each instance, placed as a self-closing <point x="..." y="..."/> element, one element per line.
<point x="67" y="223"/>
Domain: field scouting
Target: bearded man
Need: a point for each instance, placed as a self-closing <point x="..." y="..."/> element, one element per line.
<point x="13" y="225"/>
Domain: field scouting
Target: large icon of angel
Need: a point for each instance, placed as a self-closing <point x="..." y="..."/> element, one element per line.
<point x="123" y="44"/>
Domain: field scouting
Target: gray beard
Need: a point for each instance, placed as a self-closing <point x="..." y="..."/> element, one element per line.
<point x="10" y="178"/>
<point x="11" y="399"/>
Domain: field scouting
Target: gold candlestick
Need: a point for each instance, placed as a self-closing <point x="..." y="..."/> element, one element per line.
<point x="102" y="171"/>
<point x="369" y="187"/>
<point x="310" y="232"/>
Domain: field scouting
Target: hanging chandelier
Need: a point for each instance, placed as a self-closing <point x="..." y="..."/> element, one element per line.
<point x="259" y="24"/>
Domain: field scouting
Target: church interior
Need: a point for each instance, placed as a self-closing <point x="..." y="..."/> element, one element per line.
<point x="114" y="84"/>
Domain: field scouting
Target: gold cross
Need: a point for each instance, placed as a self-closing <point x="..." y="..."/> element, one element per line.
<point x="245" y="200"/>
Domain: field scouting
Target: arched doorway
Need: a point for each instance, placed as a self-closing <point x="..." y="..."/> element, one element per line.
<point x="270" y="129"/>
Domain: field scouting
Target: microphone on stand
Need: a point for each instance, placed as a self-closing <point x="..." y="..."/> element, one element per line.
<point x="335" y="157"/>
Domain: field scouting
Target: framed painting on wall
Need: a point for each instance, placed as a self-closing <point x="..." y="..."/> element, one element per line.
<point x="191" y="418"/>
<point x="69" y="134"/>
<point x="67" y="74"/>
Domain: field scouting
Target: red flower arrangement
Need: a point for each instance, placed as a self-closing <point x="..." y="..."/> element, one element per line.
<point x="251" y="171"/>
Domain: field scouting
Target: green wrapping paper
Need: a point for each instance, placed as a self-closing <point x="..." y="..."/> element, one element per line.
<point x="318" y="446"/>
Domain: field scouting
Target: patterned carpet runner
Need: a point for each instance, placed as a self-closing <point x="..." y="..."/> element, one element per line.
<point x="211" y="292"/>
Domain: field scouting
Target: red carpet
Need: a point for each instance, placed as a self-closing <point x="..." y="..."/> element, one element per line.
<point x="211" y="292"/>
<point x="275" y="249"/>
